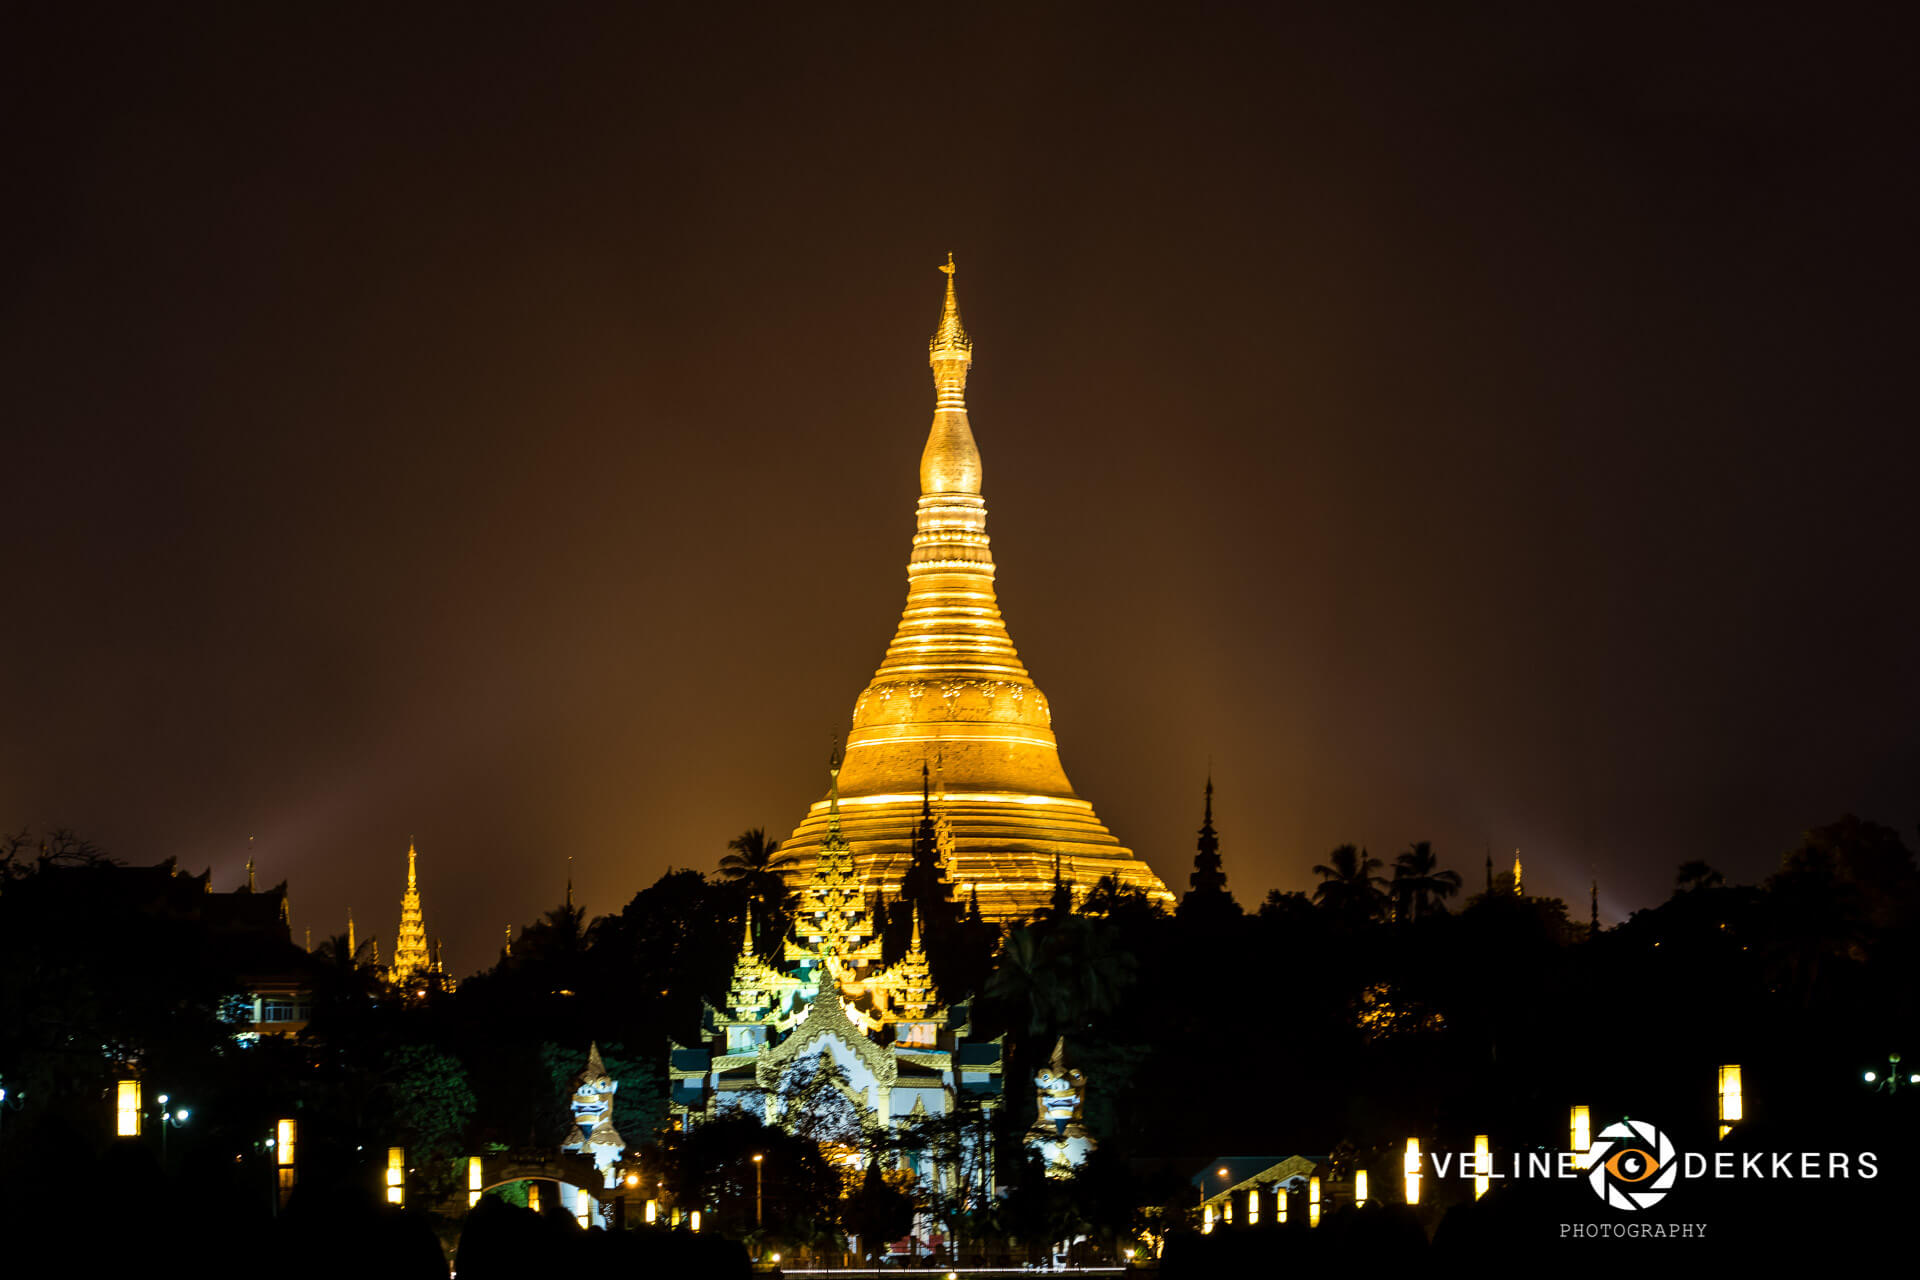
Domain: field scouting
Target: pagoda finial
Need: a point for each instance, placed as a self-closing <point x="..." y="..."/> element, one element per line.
<point x="249" y="864"/>
<point x="950" y="341"/>
<point x="508" y="949"/>
<point x="746" y="936"/>
<point x="1518" y="890"/>
<point x="950" y="464"/>
<point x="353" y="948"/>
<point x="411" y="855"/>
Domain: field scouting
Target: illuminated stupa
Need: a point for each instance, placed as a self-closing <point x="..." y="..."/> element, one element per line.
<point x="952" y="692"/>
<point x="411" y="959"/>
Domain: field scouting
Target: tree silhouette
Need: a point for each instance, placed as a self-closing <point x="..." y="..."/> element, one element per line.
<point x="1348" y="886"/>
<point x="1697" y="875"/>
<point x="1419" y="887"/>
<point x="754" y="867"/>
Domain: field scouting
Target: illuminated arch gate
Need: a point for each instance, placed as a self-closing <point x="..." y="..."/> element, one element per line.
<point x="570" y="1175"/>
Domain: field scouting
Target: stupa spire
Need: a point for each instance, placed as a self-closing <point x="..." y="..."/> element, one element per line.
<point x="1207" y="878"/>
<point x="950" y="341"/>
<point x="953" y="686"/>
<point x="410" y="954"/>
<point x="950" y="464"/>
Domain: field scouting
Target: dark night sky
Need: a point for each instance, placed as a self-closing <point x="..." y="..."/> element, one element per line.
<point x="1489" y="427"/>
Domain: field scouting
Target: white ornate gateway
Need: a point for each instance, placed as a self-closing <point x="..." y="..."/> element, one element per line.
<point x="837" y="1046"/>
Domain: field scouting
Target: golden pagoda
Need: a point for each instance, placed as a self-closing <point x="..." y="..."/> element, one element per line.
<point x="952" y="688"/>
<point x="410" y="956"/>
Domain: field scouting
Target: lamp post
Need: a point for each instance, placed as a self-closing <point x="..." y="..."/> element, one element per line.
<point x="1891" y="1084"/>
<point x="168" y="1120"/>
<point x="756" y="1191"/>
<point x="1203" y="1189"/>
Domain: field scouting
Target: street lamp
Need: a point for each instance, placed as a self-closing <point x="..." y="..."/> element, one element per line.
<point x="1892" y="1081"/>
<point x="168" y="1120"/>
<point x="1204" y="1212"/>
<point x="756" y="1191"/>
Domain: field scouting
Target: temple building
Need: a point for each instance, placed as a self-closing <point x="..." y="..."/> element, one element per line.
<point x="413" y="965"/>
<point x="952" y="688"/>
<point x="834" y="1042"/>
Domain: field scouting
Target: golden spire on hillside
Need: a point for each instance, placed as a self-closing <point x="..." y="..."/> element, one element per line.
<point x="410" y="954"/>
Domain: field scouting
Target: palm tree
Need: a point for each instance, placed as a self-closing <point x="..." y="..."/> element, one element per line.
<point x="754" y="866"/>
<point x="1022" y="981"/>
<point x="1348" y="886"/>
<point x="1418" y="887"/>
<point x="344" y="982"/>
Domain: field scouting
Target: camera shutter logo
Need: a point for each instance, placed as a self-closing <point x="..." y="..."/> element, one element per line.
<point x="1634" y="1165"/>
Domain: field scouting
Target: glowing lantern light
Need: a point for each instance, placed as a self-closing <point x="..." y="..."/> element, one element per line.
<point x="396" y="1175"/>
<point x="1580" y="1136"/>
<point x="286" y="1135"/>
<point x="474" y="1180"/>
<point x="1731" y="1107"/>
<point x="653" y="1212"/>
<point x="1360" y="1187"/>
<point x="1313" y="1201"/>
<point x="693" y="1220"/>
<point x="1280" y="1197"/>
<point x="1482" y="1165"/>
<point x="1411" y="1167"/>
<point x="1253" y="1206"/>
<point x="533" y="1196"/>
<point x="127" y="1110"/>
<point x="1206" y="1219"/>
<point x="583" y="1208"/>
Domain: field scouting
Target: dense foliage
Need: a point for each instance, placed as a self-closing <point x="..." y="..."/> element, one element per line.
<point x="1387" y="1004"/>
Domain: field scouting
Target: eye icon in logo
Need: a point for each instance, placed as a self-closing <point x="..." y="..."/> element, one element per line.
<point x="1634" y="1165"/>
